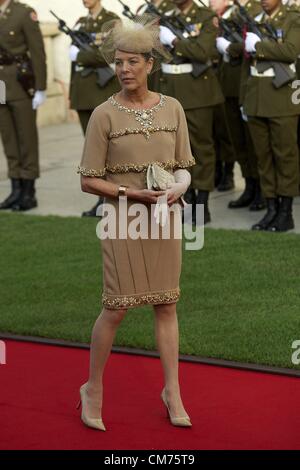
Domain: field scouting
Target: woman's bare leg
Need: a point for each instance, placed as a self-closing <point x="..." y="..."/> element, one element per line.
<point x="103" y="335"/>
<point x="167" y="340"/>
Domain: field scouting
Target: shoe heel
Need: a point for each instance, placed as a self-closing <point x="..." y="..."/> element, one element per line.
<point x="176" y="421"/>
<point x="95" y="423"/>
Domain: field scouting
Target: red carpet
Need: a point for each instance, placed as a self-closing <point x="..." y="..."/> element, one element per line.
<point x="230" y="409"/>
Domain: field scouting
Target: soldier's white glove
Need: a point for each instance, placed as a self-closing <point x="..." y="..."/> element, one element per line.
<point x="161" y="210"/>
<point x="250" y="42"/>
<point x="166" y="36"/>
<point x="38" y="99"/>
<point x="73" y="53"/>
<point x="244" y="116"/>
<point x="178" y="189"/>
<point x="222" y="45"/>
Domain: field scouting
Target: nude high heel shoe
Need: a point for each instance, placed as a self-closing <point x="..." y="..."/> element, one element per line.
<point x="95" y="423"/>
<point x="175" y="420"/>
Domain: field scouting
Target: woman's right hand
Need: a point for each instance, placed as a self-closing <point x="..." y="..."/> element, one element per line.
<point x="146" y="195"/>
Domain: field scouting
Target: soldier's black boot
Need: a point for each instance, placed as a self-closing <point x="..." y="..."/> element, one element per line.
<point x="14" y="195"/>
<point x="27" y="199"/>
<point x="284" y="219"/>
<point x="272" y="210"/>
<point x="246" y="197"/>
<point x="259" y="201"/>
<point x="227" y="181"/>
<point x="202" y="198"/>
<point x="93" y="211"/>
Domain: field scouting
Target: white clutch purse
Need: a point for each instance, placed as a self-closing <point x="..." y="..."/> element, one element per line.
<point x="159" y="179"/>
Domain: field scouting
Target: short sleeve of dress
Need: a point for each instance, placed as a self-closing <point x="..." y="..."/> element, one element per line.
<point x="183" y="152"/>
<point x="93" y="162"/>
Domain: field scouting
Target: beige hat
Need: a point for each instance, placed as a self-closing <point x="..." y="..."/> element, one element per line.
<point x="140" y="36"/>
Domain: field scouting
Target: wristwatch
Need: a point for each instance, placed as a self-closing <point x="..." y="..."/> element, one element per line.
<point x="122" y="190"/>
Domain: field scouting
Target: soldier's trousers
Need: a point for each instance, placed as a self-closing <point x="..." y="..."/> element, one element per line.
<point x="84" y="117"/>
<point x="223" y="141"/>
<point x="241" y="139"/>
<point x="19" y="135"/>
<point x="200" y="124"/>
<point x="275" y="142"/>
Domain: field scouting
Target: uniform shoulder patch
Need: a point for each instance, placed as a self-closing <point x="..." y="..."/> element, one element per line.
<point x="33" y="15"/>
<point x="215" y="21"/>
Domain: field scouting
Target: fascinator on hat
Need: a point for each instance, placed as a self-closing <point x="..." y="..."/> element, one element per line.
<point x="139" y="36"/>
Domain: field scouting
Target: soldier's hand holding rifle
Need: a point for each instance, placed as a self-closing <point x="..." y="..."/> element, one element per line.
<point x="250" y="42"/>
<point x="222" y="45"/>
<point x="73" y="52"/>
<point x="167" y="37"/>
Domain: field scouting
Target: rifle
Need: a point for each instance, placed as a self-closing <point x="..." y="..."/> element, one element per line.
<point x="25" y="75"/>
<point x="283" y="73"/>
<point x="198" y="68"/>
<point x="231" y="30"/>
<point x="126" y="11"/>
<point x="86" y="42"/>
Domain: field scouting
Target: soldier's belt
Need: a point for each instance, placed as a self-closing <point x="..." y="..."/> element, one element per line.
<point x="267" y="73"/>
<point x="177" y="69"/>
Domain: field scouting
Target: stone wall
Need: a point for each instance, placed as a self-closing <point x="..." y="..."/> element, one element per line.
<point x="55" y="109"/>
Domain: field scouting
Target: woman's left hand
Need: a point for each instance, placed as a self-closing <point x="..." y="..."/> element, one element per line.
<point x="175" y="191"/>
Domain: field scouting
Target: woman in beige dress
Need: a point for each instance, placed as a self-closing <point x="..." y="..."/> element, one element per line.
<point x="125" y="134"/>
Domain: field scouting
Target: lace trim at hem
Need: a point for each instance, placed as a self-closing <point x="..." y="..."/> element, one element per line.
<point x="133" y="167"/>
<point x="121" y="301"/>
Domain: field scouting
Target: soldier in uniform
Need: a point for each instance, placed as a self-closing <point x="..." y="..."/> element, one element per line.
<point x="230" y="75"/>
<point x="272" y="114"/>
<point x="191" y="79"/>
<point x="23" y="70"/>
<point x="88" y="66"/>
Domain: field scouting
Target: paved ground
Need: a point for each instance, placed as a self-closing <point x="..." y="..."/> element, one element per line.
<point x="59" y="191"/>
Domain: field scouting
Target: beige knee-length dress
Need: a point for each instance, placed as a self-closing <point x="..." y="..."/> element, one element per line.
<point x="120" y="143"/>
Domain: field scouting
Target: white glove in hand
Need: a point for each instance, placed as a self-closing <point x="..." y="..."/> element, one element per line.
<point x="38" y="99"/>
<point x="182" y="182"/>
<point x="222" y="45"/>
<point x="161" y="210"/>
<point x="166" y="36"/>
<point x="73" y="53"/>
<point x="176" y="190"/>
<point x="250" y="42"/>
